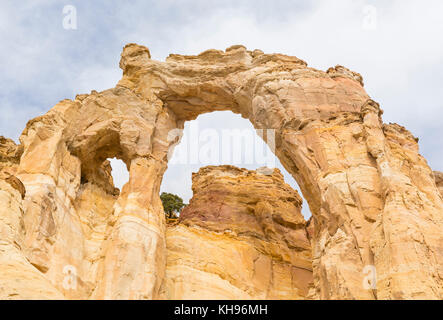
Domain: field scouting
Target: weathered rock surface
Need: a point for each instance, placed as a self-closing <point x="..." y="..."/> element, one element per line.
<point x="374" y="200"/>
<point x="10" y="153"/>
<point x="241" y="237"/>
<point x="19" y="279"/>
<point x="74" y="217"/>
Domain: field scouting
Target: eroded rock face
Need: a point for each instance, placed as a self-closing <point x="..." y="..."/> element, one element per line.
<point x="10" y="154"/>
<point x="74" y="216"/>
<point x="372" y="195"/>
<point x="18" y="278"/>
<point x="241" y="237"/>
<point x="374" y="199"/>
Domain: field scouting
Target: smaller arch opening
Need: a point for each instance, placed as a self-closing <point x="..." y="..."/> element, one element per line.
<point x="119" y="172"/>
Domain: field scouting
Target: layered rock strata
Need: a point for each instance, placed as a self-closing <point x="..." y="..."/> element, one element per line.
<point x="241" y="237"/>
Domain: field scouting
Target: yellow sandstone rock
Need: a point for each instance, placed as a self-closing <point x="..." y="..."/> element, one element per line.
<point x="18" y="278"/>
<point x="374" y="200"/>
<point x="241" y="237"/>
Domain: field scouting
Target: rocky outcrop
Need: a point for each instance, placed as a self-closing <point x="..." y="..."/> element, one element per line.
<point x="374" y="199"/>
<point x="10" y="153"/>
<point x="241" y="237"/>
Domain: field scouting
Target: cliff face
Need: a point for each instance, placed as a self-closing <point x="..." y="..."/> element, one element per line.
<point x="18" y="278"/>
<point x="374" y="200"/>
<point x="77" y="225"/>
<point x="241" y="237"/>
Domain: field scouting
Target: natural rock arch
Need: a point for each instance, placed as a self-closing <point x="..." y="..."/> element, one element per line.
<point x="373" y="197"/>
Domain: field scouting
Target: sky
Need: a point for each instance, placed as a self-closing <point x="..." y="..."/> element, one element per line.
<point x="395" y="45"/>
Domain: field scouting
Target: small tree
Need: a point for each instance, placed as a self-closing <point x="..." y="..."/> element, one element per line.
<point x="172" y="204"/>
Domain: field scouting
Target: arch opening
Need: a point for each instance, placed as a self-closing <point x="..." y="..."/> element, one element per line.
<point x="220" y="138"/>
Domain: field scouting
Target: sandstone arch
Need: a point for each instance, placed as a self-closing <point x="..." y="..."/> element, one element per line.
<point x="242" y="236"/>
<point x="373" y="197"/>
